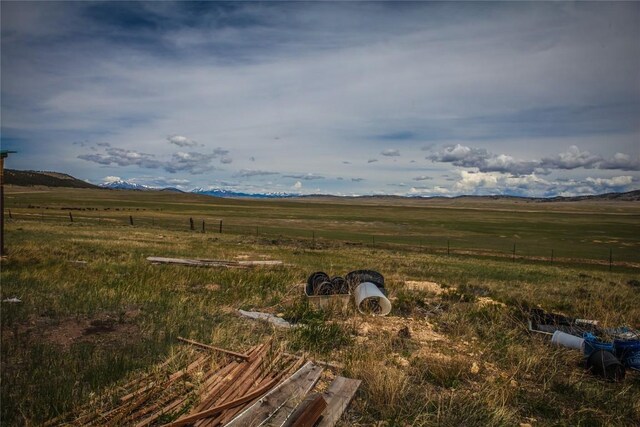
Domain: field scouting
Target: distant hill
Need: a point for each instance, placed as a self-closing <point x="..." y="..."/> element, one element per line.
<point x="629" y="196"/>
<point x="48" y="179"/>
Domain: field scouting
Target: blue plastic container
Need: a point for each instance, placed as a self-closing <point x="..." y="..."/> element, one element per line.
<point x="592" y="343"/>
<point x="628" y="351"/>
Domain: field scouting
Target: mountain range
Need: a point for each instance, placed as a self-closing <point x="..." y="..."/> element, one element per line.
<point x="55" y="179"/>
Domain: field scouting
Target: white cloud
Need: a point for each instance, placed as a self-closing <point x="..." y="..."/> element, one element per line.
<point x="110" y="179"/>
<point x="622" y="161"/>
<point x="470" y="181"/>
<point x="182" y="141"/>
<point x="616" y="181"/>
<point x="297" y="185"/>
<point x="571" y="159"/>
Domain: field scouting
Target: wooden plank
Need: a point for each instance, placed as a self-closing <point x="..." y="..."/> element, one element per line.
<point x="210" y="347"/>
<point x="250" y="396"/>
<point x="248" y="379"/>
<point x="298" y="384"/>
<point x="167" y="409"/>
<point x="338" y="397"/>
<point x="212" y="262"/>
<point x="307" y="412"/>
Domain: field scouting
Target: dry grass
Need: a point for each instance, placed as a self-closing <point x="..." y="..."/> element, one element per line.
<point x="82" y="329"/>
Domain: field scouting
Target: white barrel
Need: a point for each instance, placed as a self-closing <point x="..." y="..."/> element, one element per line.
<point x="567" y="340"/>
<point x="367" y="290"/>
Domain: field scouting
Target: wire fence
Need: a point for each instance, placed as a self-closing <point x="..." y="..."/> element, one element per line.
<point x="313" y="238"/>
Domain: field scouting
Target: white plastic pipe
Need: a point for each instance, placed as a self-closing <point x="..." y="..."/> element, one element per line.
<point x="368" y="290"/>
<point x="567" y="340"/>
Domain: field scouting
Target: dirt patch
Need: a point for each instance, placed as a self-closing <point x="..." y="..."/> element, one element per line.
<point x="432" y="287"/>
<point x="104" y="328"/>
<point x="418" y="330"/>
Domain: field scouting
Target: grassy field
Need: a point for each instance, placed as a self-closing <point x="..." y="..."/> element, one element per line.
<point x="467" y="358"/>
<point x="572" y="230"/>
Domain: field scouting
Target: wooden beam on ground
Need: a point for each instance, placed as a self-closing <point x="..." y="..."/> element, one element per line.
<point x="296" y="385"/>
<point x="209" y="412"/>
<point x="338" y="397"/>
<point x="210" y="347"/>
<point x="307" y="412"/>
<point x="212" y="262"/>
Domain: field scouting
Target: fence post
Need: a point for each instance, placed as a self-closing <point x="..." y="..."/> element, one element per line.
<point x="373" y="240"/>
<point x="10" y="216"/>
<point x="70" y="217"/>
<point x="220" y="226"/>
<point x="448" y="248"/>
<point x="256" y="231"/>
<point x="610" y="258"/>
<point x="191" y="226"/>
<point x="203" y="225"/>
<point x="551" y="256"/>
<point x="514" y="253"/>
<point x="130" y="219"/>
<point x="313" y="239"/>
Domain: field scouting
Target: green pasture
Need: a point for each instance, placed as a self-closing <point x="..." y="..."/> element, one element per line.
<point x="572" y="230"/>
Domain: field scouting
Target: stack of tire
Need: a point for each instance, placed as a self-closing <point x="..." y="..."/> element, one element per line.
<point x="319" y="283"/>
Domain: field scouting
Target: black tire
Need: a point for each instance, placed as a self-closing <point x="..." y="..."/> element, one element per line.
<point x="315" y="281"/>
<point x="356" y="277"/>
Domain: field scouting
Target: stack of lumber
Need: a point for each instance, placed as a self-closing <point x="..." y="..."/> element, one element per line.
<point x="207" y="386"/>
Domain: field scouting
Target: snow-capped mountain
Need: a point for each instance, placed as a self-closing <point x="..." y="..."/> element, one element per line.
<point x="124" y="185"/>
<point x="220" y="192"/>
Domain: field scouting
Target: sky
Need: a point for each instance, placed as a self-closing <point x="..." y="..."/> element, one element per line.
<point x="347" y="98"/>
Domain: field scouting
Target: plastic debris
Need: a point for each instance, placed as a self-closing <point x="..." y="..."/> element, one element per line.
<point x="13" y="300"/>
<point x="276" y="321"/>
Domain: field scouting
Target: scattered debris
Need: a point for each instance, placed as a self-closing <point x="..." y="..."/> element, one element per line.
<point x="543" y="322"/>
<point x="212" y="262"/>
<point x="276" y="321"/>
<point x="319" y="283"/>
<point x="567" y="340"/>
<point x="308" y="412"/>
<point x="78" y="262"/>
<point x="13" y="300"/>
<point x="210" y="347"/>
<point x="280" y="402"/>
<point x="370" y="300"/>
<point x="603" y="363"/>
<point x="338" y="397"/>
<point x="356" y="277"/>
<point x="603" y="358"/>
<point x="194" y="383"/>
